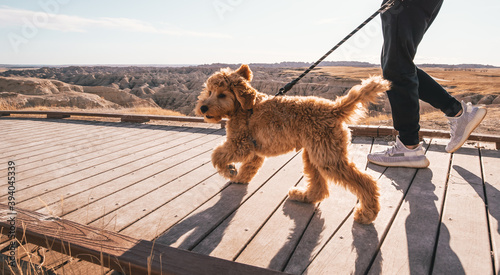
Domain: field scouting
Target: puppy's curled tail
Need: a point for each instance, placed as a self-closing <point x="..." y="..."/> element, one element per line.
<point x="353" y="105"/>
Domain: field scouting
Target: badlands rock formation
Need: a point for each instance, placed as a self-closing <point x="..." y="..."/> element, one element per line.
<point x="22" y="92"/>
<point x="30" y="92"/>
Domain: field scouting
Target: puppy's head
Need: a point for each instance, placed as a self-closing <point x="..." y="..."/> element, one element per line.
<point x="226" y="92"/>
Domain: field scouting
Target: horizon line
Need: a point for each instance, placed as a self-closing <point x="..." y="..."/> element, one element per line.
<point x="332" y="64"/>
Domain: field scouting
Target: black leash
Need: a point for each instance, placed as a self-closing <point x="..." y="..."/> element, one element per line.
<point x="387" y="5"/>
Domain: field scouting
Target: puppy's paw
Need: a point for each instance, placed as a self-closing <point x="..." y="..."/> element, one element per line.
<point x="298" y="194"/>
<point x="230" y="172"/>
<point x="364" y="215"/>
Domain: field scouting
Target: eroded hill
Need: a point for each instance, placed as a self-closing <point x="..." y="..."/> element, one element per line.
<point x="177" y="88"/>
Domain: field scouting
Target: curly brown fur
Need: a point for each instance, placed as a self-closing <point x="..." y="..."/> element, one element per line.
<point x="262" y="126"/>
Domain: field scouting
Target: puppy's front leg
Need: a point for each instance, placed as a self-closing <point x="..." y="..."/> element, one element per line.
<point x="222" y="159"/>
<point x="249" y="169"/>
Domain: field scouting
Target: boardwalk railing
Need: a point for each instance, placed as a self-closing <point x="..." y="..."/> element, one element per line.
<point x="123" y="117"/>
<point x="114" y="250"/>
<point x="357" y="130"/>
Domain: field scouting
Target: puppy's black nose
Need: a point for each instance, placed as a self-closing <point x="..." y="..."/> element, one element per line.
<point x="204" y="108"/>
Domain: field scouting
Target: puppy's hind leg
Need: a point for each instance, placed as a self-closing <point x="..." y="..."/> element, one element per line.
<point x="317" y="186"/>
<point x="359" y="183"/>
<point x="248" y="170"/>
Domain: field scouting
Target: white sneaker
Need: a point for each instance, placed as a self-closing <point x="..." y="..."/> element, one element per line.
<point x="461" y="127"/>
<point x="398" y="155"/>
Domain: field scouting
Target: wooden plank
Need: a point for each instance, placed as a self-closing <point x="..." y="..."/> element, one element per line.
<point x="33" y="112"/>
<point x="386" y="131"/>
<point x="491" y="178"/>
<point x="77" y="266"/>
<point x="24" y="138"/>
<point x="43" y="130"/>
<point x="231" y="236"/>
<point x="409" y="245"/>
<point x="172" y="187"/>
<point x="49" y="130"/>
<point x="38" y="185"/>
<point x="93" y="187"/>
<point x="12" y="126"/>
<point x="56" y="160"/>
<point x="138" y="149"/>
<point x="148" y="179"/>
<point x="364" y="130"/>
<point x="134" y="119"/>
<point x="331" y="213"/>
<point x="79" y="153"/>
<point x="276" y="240"/>
<point x="57" y="116"/>
<point x="463" y="244"/>
<point x="352" y="248"/>
<point x="172" y="210"/>
<point x="200" y="209"/>
<point x="47" y="258"/>
<point x="118" y="251"/>
<point x="27" y="261"/>
<point x="45" y="125"/>
<point x="59" y="140"/>
<point x="274" y="244"/>
<point x="50" y="146"/>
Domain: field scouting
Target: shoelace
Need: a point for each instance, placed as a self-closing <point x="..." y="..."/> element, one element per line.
<point x="390" y="150"/>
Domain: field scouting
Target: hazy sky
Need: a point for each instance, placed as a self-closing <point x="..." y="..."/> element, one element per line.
<point x="63" y="32"/>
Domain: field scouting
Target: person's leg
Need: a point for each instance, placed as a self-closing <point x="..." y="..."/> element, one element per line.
<point x="431" y="92"/>
<point x="403" y="29"/>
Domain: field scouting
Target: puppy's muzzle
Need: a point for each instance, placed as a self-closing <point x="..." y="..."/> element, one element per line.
<point x="204" y="109"/>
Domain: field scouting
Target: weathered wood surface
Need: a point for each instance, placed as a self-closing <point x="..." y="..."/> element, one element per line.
<point x="363" y="130"/>
<point x="155" y="183"/>
<point x="491" y="180"/>
<point x="117" y="251"/>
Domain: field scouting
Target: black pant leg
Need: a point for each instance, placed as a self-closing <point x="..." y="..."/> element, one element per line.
<point x="431" y="92"/>
<point x="403" y="28"/>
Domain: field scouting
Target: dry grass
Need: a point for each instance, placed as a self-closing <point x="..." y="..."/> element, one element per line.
<point x="456" y="81"/>
<point x="6" y="105"/>
<point x="435" y="120"/>
<point x="152" y="111"/>
<point x="32" y="259"/>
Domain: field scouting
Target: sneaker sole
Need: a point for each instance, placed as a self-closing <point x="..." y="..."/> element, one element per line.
<point x="481" y="113"/>
<point x="415" y="164"/>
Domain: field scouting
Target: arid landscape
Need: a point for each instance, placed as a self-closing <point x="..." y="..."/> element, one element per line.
<point x="174" y="90"/>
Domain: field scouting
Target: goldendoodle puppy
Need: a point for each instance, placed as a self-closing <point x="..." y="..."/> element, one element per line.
<point x="261" y="125"/>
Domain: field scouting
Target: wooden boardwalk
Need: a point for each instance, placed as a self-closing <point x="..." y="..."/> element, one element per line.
<point x="156" y="183"/>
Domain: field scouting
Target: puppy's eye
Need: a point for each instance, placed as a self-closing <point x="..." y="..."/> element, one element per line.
<point x="221" y="96"/>
<point x="209" y="93"/>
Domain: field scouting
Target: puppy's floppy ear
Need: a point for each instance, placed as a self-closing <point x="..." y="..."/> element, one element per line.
<point x="245" y="96"/>
<point x="245" y="72"/>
